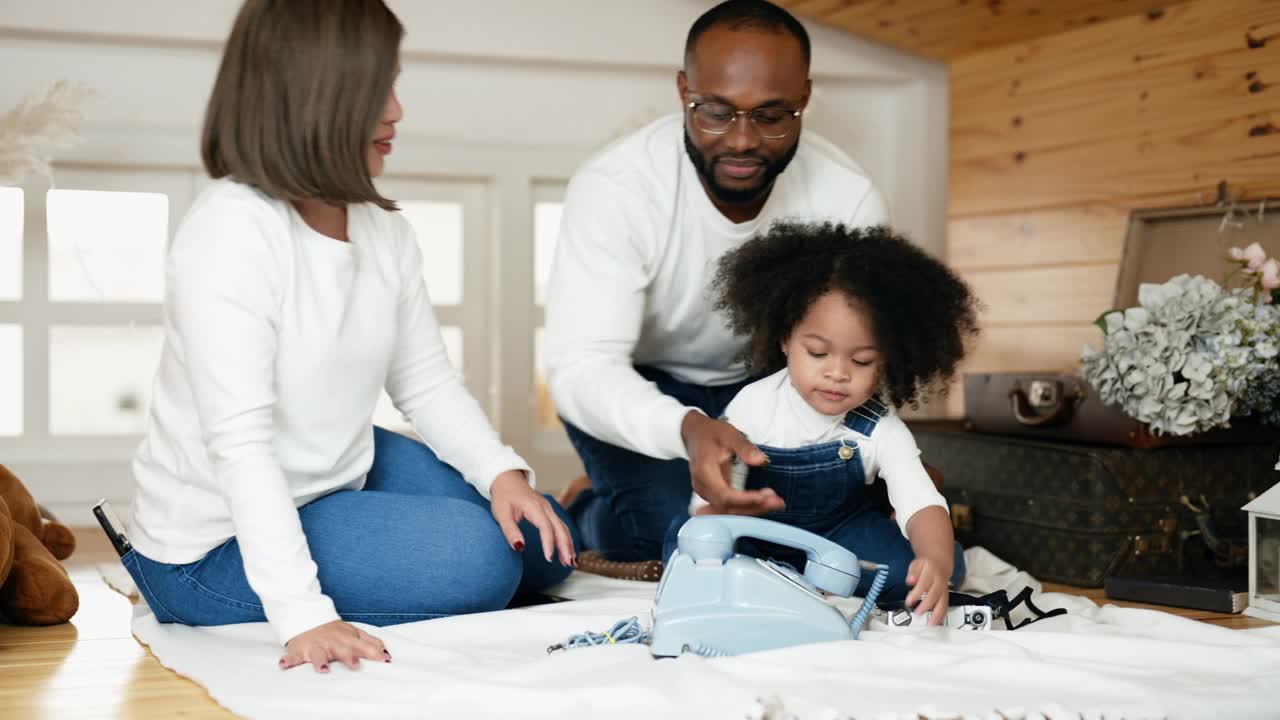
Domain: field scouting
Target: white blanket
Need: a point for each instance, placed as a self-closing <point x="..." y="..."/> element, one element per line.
<point x="1092" y="663"/>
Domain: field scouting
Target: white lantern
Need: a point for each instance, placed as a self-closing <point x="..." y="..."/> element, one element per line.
<point x="1264" y="555"/>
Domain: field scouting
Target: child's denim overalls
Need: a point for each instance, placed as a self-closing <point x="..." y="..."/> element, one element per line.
<point x="826" y="492"/>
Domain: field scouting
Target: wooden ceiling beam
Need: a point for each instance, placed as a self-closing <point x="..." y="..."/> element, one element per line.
<point x="947" y="29"/>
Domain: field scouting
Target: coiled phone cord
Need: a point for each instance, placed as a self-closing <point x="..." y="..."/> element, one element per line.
<point x="869" y="602"/>
<point x="623" y="632"/>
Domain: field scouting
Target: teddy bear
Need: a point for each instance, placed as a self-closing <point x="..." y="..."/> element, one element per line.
<point x="34" y="587"/>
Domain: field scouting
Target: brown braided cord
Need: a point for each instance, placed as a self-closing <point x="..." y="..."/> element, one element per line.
<point x="646" y="570"/>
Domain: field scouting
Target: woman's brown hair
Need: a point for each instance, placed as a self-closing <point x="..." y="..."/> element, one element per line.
<point x="299" y="93"/>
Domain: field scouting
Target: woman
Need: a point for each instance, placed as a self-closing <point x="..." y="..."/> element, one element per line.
<point x="294" y="295"/>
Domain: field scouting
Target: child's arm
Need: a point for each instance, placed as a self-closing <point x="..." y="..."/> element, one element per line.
<point x="921" y="513"/>
<point x="933" y="542"/>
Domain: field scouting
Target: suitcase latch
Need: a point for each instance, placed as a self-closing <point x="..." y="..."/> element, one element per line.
<point x="1043" y="403"/>
<point x="1044" y="393"/>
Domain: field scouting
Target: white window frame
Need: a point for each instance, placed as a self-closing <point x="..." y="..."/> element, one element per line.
<point x="472" y="312"/>
<point x="35" y="313"/>
<point x="552" y="441"/>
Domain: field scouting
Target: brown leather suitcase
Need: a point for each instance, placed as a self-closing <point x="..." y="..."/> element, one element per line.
<point x="1159" y="245"/>
<point x="1057" y="406"/>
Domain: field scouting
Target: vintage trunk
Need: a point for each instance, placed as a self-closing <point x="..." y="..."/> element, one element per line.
<point x="1077" y="514"/>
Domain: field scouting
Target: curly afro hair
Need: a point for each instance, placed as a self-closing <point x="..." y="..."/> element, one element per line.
<point x="922" y="314"/>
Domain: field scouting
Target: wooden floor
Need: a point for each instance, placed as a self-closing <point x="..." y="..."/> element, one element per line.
<point x="93" y="668"/>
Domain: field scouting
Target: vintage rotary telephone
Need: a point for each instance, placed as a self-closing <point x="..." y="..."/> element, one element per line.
<point x="712" y="601"/>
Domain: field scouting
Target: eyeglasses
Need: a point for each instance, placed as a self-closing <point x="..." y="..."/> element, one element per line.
<point x="718" y="118"/>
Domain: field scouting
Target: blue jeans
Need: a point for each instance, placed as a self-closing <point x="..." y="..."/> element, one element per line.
<point x="633" y="497"/>
<point x="416" y="543"/>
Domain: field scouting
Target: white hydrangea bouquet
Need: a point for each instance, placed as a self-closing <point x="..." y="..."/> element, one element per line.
<point x="1195" y="354"/>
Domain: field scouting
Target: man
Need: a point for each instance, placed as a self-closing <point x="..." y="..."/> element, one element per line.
<point x="639" y="365"/>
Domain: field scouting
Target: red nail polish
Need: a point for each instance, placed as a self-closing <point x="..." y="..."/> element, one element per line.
<point x="519" y="546"/>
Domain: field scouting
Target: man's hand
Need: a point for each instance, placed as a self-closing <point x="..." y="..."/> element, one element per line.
<point x="712" y="445"/>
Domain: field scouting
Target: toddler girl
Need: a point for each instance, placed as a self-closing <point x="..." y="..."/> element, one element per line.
<point x="847" y="324"/>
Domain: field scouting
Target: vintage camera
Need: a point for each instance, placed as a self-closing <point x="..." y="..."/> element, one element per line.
<point x="970" y="617"/>
<point x="964" y="617"/>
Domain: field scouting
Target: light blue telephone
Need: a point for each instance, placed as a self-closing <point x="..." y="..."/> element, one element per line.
<point x="712" y="601"/>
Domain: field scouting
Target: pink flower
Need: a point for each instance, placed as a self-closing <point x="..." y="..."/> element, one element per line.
<point x="1235" y="253"/>
<point x="1270" y="274"/>
<point x="1254" y="255"/>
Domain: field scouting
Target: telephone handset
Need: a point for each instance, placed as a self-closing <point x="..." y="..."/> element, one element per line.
<point x="828" y="566"/>
<point x="713" y="601"/>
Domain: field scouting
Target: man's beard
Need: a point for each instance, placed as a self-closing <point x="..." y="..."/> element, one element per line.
<point x="729" y="196"/>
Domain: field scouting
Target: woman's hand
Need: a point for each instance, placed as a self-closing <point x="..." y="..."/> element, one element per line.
<point x="513" y="500"/>
<point x="335" y="640"/>
<point x="930" y="582"/>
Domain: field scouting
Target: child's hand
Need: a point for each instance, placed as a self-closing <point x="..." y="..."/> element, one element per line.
<point x="929" y="578"/>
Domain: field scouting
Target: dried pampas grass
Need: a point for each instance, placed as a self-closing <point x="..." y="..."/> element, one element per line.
<point x="30" y="132"/>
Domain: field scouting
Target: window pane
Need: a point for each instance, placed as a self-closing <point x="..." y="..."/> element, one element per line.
<point x="546" y="229"/>
<point x="10" y="380"/>
<point x="107" y="245"/>
<point x="1267" y="563"/>
<point x="544" y="410"/>
<point x="438" y="226"/>
<point x="385" y="414"/>
<point x="11" y="209"/>
<point x="100" y="378"/>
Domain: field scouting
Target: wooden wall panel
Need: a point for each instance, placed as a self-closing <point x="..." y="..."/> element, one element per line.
<point x="1011" y="117"/>
<point x="1134" y="108"/>
<point x="1034" y="296"/>
<point x="1037" y="238"/>
<point x="1193" y="30"/>
<point x="1141" y="167"/>
<point x="1054" y="141"/>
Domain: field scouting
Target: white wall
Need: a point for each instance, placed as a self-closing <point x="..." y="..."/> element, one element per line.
<point x="506" y="91"/>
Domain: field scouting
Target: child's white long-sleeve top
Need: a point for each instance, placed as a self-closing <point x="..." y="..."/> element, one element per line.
<point x="277" y="341"/>
<point x="772" y="412"/>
